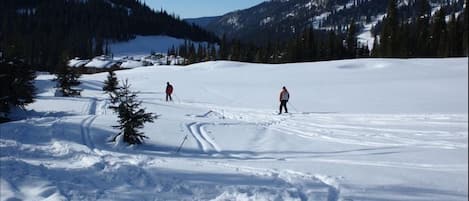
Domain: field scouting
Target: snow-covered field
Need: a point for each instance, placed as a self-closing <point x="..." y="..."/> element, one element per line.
<point x="368" y="129"/>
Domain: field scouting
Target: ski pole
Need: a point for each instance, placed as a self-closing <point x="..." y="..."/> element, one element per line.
<point x="177" y="97"/>
<point x="182" y="143"/>
<point x="293" y="107"/>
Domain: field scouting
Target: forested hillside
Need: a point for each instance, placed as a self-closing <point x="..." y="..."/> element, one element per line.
<point x="280" y="19"/>
<point x="48" y="32"/>
<point x="407" y="29"/>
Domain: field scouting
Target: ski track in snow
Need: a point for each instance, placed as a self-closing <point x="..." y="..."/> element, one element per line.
<point x="314" y="126"/>
<point x="86" y="124"/>
<point x="93" y="106"/>
<point x="287" y="184"/>
<point x="85" y="127"/>
<point x="205" y="142"/>
<point x="352" y="128"/>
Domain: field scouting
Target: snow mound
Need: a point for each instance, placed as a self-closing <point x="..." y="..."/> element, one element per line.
<point x="101" y="62"/>
<point x="77" y="62"/>
<point x="131" y="64"/>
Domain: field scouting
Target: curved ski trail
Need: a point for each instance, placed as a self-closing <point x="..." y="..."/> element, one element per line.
<point x="204" y="141"/>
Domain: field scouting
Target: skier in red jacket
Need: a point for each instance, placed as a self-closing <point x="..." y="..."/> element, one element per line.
<point x="169" y="91"/>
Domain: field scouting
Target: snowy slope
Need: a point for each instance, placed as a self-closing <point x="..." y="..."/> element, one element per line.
<point x="368" y="129"/>
<point x="366" y="37"/>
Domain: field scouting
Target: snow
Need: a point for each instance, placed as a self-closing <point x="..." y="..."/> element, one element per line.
<point x="266" y="20"/>
<point x="366" y="129"/>
<point x="312" y="4"/>
<point x="346" y="6"/>
<point x="366" y="37"/>
<point x="317" y="19"/>
<point x="144" y="45"/>
<point x="291" y="14"/>
<point x="234" y="21"/>
<point x="131" y="64"/>
<point x="100" y="62"/>
<point x="77" y="62"/>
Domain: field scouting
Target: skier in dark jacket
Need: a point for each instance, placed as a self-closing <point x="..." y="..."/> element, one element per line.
<point x="284" y="97"/>
<point x="169" y="91"/>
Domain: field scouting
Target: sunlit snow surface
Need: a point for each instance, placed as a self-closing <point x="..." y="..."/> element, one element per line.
<point x="369" y="129"/>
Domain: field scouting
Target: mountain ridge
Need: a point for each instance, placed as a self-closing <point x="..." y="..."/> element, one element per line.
<point x="281" y="19"/>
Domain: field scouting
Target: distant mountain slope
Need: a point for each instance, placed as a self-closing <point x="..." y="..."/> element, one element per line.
<point x="203" y="21"/>
<point x="279" y="19"/>
<point x="47" y="32"/>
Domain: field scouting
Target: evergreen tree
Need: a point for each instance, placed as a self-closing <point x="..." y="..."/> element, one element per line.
<point x="423" y="22"/>
<point x="213" y="53"/>
<point x="110" y="85"/>
<point x="200" y="53"/>
<point x="406" y="40"/>
<point x="438" y="40"/>
<point x="465" y="23"/>
<point x="351" y="40"/>
<point x="224" y="48"/>
<point x="375" y="51"/>
<point x="67" y="79"/>
<point x="192" y="53"/>
<point x="235" y="51"/>
<point x="16" y="84"/>
<point x="452" y="36"/>
<point x="388" y="39"/>
<point x="131" y="116"/>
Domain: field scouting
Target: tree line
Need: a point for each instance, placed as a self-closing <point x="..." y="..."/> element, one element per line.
<point x="410" y="34"/>
<point x="423" y="35"/>
<point x="308" y="45"/>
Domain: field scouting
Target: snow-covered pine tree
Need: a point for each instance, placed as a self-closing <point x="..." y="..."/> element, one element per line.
<point x="67" y="79"/>
<point x="110" y="85"/>
<point x="131" y="116"/>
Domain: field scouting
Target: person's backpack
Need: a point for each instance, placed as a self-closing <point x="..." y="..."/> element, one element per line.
<point x="169" y="89"/>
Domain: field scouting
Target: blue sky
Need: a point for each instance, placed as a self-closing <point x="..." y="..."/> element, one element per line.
<point x="201" y="8"/>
